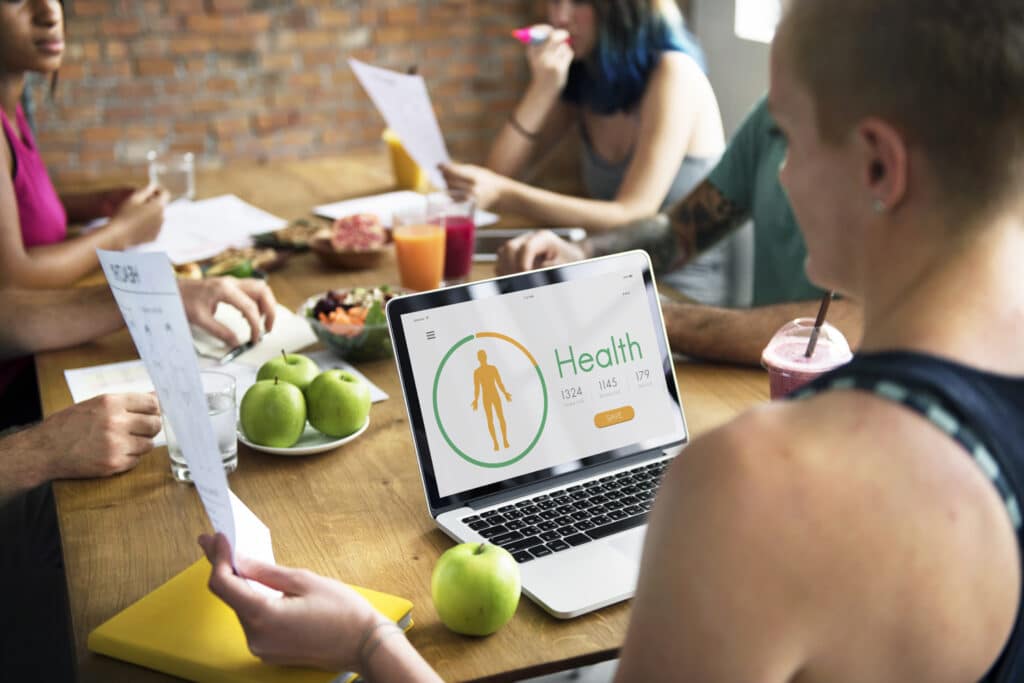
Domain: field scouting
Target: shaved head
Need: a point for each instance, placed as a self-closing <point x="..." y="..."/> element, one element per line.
<point x="948" y="74"/>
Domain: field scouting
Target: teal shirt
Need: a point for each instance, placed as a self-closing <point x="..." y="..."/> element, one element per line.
<point x="748" y="175"/>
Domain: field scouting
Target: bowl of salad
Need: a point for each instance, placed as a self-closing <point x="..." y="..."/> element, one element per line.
<point x="351" y="322"/>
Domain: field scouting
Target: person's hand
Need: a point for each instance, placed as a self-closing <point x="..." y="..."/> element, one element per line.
<point x="317" y="622"/>
<point x="474" y="404"/>
<point x="99" y="437"/>
<point x="486" y="186"/>
<point x="141" y="215"/>
<point x="253" y="298"/>
<point x="109" y="201"/>
<point x="538" y="249"/>
<point x="550" y="61"/>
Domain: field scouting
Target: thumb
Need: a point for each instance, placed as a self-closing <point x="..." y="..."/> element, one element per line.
<point x="285" y="579"/>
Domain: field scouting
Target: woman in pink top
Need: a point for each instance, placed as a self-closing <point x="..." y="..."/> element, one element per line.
<point x="33" y="218"/>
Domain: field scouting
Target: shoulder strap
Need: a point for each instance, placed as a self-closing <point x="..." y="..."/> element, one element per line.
<point x="939" y="413"/>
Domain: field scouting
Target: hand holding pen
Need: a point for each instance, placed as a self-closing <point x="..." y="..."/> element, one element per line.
<point x="550" y="53"/>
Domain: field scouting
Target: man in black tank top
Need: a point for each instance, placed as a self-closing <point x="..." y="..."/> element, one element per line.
<point x="869" y="531"/>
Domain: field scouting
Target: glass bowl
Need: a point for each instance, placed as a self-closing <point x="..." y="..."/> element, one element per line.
<point x="352" y="341"/>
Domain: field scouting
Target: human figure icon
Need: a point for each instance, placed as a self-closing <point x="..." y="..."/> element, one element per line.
<point x="487" y="380"/>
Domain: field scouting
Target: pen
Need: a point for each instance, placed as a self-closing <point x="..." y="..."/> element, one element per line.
<point x="235" y="352"/>
<point x="532" y="35"/>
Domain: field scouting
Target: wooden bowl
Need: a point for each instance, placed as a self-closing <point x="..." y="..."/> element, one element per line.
<point x="346" y="260"/>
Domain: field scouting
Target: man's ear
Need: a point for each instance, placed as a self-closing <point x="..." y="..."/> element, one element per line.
<point x="885" y="163"/>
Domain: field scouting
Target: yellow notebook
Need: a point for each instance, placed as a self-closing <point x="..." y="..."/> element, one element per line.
<point x="183" y="629"/>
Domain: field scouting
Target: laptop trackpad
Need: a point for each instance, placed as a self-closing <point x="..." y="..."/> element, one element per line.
<point x="587" y="577"/>
<point x="630" y="543"/>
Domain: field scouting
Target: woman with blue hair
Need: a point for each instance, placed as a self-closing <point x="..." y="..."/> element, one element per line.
<point x="630" y="76"/>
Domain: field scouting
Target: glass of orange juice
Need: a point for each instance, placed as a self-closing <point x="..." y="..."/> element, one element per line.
<point x="419" y="246"/>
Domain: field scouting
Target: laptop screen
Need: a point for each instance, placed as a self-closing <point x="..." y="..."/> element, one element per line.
<point x="516" y="379"/>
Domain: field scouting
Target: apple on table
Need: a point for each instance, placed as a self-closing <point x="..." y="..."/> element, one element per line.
<point x="475" y="588"/>
<point x="273" y="413"/>
<point x="293" y="368"/>
<point x="338" y="403"/>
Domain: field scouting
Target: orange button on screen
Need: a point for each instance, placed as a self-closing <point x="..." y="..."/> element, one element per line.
<point x="614" y="417"/>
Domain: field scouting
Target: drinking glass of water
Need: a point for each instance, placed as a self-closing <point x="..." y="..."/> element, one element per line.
<point x="176" y="173"/>
<point x="219" y="388"/>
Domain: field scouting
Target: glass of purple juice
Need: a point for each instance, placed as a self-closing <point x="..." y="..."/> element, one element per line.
<point x="456" y="213"/>
<point x="785" y="356"/>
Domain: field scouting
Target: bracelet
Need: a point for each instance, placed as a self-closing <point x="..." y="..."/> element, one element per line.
<point x="373" y="637"/>
<point x="514" y="122"/>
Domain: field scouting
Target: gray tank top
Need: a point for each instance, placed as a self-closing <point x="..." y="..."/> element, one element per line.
<point x="708" y="278"/>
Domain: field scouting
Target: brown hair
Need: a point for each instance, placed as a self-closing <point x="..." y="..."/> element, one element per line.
<point x="949" y="74"/>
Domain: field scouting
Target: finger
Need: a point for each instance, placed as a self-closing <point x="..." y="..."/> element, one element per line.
<point x="146" y="426"/>
<point x="136" y="447"/>
<point x="219" y="330"/>
<point x="526" y="256"/>
<point x="247" y="307"/>
<point x="121" y="463"/>
<point x="144" y="404"/>
<point x="285" y="579"/>
<point x="232" y="589"/>
<point x="206" y="543"/>
<point x="261" y="293"/>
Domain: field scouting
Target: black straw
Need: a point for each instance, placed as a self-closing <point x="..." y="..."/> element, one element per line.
<point x="818" y="322"/>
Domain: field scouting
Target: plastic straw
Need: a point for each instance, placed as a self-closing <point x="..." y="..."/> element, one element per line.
<point x="818" y="322"/>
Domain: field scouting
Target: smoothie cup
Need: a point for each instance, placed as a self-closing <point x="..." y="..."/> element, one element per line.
<point x="789" y="369"/>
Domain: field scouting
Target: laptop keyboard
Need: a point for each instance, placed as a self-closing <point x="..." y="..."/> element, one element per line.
<point x="561" y="519"/>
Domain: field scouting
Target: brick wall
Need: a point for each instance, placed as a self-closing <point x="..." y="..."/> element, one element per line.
<point x="262" y="80"/>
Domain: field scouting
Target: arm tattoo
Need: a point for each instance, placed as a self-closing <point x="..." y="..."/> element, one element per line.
<point x="692" y="225"/>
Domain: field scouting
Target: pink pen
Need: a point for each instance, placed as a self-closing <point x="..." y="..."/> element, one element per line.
<point x="532" y="35"/>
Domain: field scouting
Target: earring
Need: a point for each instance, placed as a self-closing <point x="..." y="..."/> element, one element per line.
<point x="880" y="206"/>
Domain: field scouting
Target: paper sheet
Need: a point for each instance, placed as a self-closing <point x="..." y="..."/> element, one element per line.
<point x="291" y="333"/>
<point x="384" y="205"/>
<point x="404" y="103"/>
<point x="204" y="228"/>
<point x="147" y="294"/>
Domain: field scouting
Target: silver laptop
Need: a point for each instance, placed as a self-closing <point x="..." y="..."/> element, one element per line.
<point x="544" y="409"/>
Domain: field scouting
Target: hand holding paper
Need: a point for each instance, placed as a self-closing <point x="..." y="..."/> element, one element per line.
<point x="147" y="293"/>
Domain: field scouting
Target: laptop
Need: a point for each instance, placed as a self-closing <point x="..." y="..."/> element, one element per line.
<point x="544" y="410"/>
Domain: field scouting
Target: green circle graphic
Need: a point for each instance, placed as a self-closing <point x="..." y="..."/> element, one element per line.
<point x="458" y="451"/>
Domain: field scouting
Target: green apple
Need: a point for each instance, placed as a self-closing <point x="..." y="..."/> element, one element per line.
<point x="475" y="587"/>
<point x="273" y="413"/>
<point x="293" y="368"/>
<point x="338" y="402"/>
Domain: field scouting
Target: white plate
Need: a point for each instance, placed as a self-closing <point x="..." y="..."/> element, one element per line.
<point x="309" y="443"/>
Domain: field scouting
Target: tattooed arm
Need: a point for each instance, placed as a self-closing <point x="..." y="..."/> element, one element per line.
<point x="692" y="225"/>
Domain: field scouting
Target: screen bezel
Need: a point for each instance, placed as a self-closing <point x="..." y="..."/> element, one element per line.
<point x="485" y="289"/>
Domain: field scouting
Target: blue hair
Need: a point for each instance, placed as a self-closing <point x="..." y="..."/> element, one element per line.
<point x="614" y="77"/>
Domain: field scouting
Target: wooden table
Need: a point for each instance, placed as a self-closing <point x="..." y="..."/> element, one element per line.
<point x="357" y="514"/>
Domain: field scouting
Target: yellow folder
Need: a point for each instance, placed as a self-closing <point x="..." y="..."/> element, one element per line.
<point x="183" y="629"/>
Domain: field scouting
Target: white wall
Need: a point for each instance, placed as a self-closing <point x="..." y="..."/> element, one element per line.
<point x="738" y="68"/>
